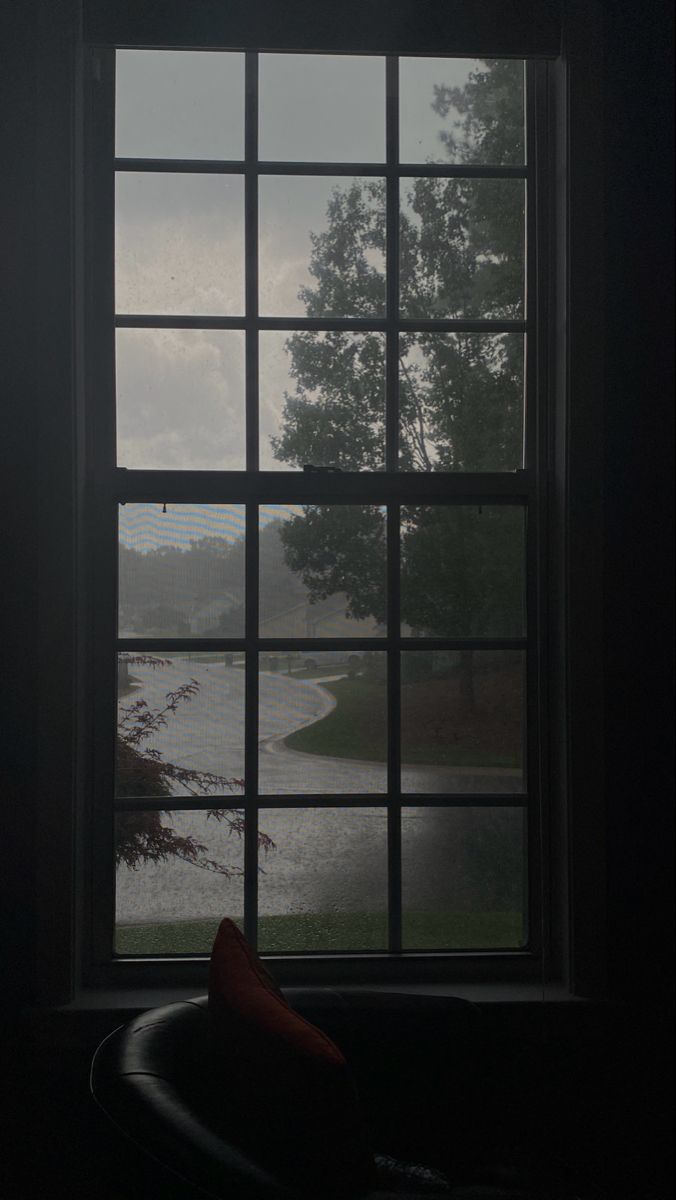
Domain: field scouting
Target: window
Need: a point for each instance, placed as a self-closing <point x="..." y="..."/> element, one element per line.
<point x="319" y="398"/>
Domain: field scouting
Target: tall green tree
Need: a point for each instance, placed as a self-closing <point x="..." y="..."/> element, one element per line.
<point x="460" y="395"/>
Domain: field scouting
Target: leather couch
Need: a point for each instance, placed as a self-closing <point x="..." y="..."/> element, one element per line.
<point x="155" y="1080"/>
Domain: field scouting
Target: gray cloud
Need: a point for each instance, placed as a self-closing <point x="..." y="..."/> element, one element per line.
<point x="180" y="396"/>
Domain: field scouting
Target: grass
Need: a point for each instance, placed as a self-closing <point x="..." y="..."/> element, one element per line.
<point x="355" y="728"/>
<point x="333" y="931"/>
<point x="299" y="672"/>
<point x="317" y="672"/>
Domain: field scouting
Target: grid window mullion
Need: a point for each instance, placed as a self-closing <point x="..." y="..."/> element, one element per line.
<point x="392" y="265"/>
<point x="394" y="896"/>
<point x="393" y="642"/>
<point x="305" y="487"/>
<point x="251" y="258"/>
<point x="489" y="325"/>
<point x="251" y="543"/>
<point x="395" y="489"/>
<point x="531" y="269"/>
<point x="393" y="732"/>
<point x="394" y="904"/>
<point x="251" y="727"/>
<point x="214" y="166"/>
<point x="331" y="800"/>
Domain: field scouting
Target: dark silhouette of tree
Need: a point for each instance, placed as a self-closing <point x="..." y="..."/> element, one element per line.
<point x="142" y="771"/>
<point x="460" y="410"/>
<point x="460" y="396"/>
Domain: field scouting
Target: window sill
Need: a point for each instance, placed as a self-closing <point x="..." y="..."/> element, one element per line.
<point x="135" y="1000"/>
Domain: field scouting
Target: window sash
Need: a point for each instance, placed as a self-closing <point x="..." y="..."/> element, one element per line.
<point x="111" y="485"/>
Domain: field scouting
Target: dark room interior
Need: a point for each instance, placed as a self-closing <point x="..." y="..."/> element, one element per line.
<point x="572" y="1068"/>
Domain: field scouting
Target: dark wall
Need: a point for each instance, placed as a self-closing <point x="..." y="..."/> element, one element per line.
<point x="37" y="435"/>
<point x="639" y="402"/>
<point x="638" y="653"/>
<point x="19" y="489"/>
<point x="638" y="473"/>
<point x="637" y="1072"/>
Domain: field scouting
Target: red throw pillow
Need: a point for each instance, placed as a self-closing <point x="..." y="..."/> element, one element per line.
<point x="289" y="1087"/>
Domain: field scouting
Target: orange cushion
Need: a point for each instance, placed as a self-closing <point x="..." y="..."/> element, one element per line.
<point x="295" y="1102"/>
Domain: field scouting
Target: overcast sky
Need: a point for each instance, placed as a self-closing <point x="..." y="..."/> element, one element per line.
<point x="180" y="237"/>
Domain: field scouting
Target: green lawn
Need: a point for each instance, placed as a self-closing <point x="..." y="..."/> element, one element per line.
<point x="300" y="672"/>
<point x="318" y="672"/>
<point x="355" y="728"/>
<point x="333" y="931"/>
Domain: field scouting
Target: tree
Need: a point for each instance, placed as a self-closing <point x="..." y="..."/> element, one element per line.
<point x="460" y="409"/>
<point x="461" y="395"/>
<point x="162" y="588"/>
<point x="141" y="771"/>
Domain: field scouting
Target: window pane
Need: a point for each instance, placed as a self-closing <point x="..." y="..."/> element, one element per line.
<point x="322" y="570"/>
<point x="181" y="570"/>
<point x="461" y="402"/>
<point x="324" y="886"/>
<point x="179" y="104"/>
<point x="322" y="246"/>
<point x="178" y="874"/>
<point x="461" y="110"/>
<point x="179" y="244"/>
<point x="322" y="400"/>
<point x="322" y="108"/>
<point x="462" y="248"/>
<point x="180" y="399"/>
<point x="180" y="725"/>
<point x="463" y="878"/>
<point x="462" y="718"/>
<point x="322" y="722"/>
<point x="463" y="571"/>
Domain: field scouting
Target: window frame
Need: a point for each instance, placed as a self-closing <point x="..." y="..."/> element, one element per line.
<point x="575" y="822"/>
<point x="109" y="485"/>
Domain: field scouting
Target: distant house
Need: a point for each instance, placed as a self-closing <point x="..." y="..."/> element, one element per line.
<point x="326" y="619"/>
<point x="177" y="617"/>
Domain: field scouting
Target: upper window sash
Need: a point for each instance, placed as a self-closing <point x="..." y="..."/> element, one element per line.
<point x="388" y="323"/>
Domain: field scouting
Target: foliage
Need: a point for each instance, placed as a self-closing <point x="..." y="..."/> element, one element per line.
<point x="462" y="570"/>
<point x="487" y="122"/>
<point x="461" y="395"/>
<point x="163" y="588"/>
<point x="340" y="549"/>
<point x="141" y="771"/>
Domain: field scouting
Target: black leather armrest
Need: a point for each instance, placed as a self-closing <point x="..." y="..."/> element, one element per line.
<point x="131" y="1087"/>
